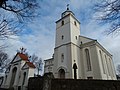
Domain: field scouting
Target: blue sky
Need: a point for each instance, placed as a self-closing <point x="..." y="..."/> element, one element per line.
<point x="38" y="36"/>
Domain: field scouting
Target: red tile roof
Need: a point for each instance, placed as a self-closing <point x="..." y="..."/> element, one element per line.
<point x="30" y="64"/>
<point x="23" y="56"/>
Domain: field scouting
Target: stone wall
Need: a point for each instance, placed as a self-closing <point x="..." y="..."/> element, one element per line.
<point x="35" y="83"/>
<point x="42" y="83"/>
<point x="71" y="84"/>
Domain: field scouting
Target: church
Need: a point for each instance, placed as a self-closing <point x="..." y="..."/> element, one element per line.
<point x="18" y="72"/>
<point x="76" y="56"/>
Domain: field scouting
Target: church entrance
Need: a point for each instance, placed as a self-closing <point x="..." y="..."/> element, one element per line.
<point x="13" y="76"/>
<point x="61" y="73"/>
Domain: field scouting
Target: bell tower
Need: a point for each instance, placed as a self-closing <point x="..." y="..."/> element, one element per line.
<point x="67" y="28"/>
<point x="66" y="45"/>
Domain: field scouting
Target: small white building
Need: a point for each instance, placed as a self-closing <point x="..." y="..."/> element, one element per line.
<point x="18" y="72"/>
<point x="76" y="56"/>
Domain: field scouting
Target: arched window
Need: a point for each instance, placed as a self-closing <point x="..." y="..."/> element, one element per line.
<point x="88" y="60"/>
<point x="62" y="22"/>
<point x="62" y="57"/>
<point x="61" y="73"/>
<point x="101" y="58"/>
<point x="13" y="76"/>
<point x="24" y="76"/>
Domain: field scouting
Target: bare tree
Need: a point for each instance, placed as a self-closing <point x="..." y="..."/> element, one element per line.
<point x="23" y="9"/>
<point x="109" y="12"/>
<point x="19" y="12"/>
<point x="34" y="58"/>
<point x="7" y="29"/>
<point x="39" y="65"/>
<point x="4" y="60"/>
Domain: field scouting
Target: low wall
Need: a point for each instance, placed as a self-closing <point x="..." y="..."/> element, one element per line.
<point x="35" y="83"/>
<point x="71" y="84"/>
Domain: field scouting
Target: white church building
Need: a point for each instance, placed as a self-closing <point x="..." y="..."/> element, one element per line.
<point x="18" y="72"/>
<point x="76" y="56"/>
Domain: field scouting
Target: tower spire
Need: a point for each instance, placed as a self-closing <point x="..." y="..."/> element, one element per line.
<point x="67" y="6"/>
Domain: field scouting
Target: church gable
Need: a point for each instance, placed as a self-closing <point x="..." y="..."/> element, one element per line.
<point x="20" y="56"/>
<point x="84" y="40"/>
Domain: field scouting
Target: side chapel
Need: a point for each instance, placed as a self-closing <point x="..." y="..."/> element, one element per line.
<point x="77" y="56"/>
<point x="18" y="72"/>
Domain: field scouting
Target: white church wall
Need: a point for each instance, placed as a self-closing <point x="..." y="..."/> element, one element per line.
<point x="75" y="58"/>
<point x="55" y="63"/>
<point x="59" y="23"/>
<point x="95" y="63"/>
<point x="69" y="59"/>
<point x="71" y="55"/>
<point x="62" y="63"/>
<point x="22" y="63"/>
<point x="75" y="30"/>
<point x="113" y="68"/>
<point x="82" y="64"/>
<point x="106" y="64"/>
<point x="95" y="68"/>
<point x="73" y="20"/>
<point x="48" y="65"/>
<point x="109" y="67"/>
<point x="63" y="30"/>
<point x="31" y="72"/>
<point x="66" y="63"/>
<point x="86" y="72"/>
<point x="102" y="63"/>
<point x="61" y="50"/>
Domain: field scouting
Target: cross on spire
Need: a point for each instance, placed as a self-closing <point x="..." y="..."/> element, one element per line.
<point x="22" y="50"/>
<point x="67" y="6"/>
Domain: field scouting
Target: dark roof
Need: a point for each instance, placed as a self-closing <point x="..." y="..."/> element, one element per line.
<point x="23" y="56"/>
